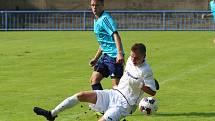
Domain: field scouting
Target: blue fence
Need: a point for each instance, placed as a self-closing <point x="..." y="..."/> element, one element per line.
<point x="83" y="20"/>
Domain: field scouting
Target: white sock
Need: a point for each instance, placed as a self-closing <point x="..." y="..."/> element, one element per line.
<point x="67" y="103"/>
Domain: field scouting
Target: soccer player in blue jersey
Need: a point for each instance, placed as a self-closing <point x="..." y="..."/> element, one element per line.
<point x="212" y="14"/>
<point x="109" y="58"/>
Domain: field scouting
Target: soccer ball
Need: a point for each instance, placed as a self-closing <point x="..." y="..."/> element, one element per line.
<point x="148" y="105"/>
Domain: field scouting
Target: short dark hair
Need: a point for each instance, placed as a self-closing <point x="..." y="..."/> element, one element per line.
<point x="102" y="1"/>
<point x="139" y="48"/>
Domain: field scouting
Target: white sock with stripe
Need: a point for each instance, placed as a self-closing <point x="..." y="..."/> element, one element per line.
<point x="67" y="103"/>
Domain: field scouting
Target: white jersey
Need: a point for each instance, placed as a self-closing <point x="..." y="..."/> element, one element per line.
<point x="133" y="79"/>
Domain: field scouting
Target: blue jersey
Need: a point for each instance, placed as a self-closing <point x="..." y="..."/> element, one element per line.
<point x="104" y="27"/>
<point x="212" y="5"/>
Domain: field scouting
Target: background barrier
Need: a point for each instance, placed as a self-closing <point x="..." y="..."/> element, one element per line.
<point x="83" y="20"/>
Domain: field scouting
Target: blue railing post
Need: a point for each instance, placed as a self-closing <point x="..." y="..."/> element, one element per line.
<point x="6" y="22"/>
<point x="164" y="21"/>
<point x="84" y="20"/>
<point x="2" y="20"/>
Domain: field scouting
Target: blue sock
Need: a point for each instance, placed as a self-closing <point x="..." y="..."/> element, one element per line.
<point x="97" y="86"/>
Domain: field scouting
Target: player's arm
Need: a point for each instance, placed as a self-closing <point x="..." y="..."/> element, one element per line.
<point x="96" y="57"/>
<point x="117" y="39"/>
<point x="149" y="84"/>
<point x="148" y="90"/>
<point x="206" y="15"/>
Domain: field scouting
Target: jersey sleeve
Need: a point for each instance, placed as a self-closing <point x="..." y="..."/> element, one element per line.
<point x="109" y="25"/>
<point x="149" y="80"/>
<point x="128" y="63"/>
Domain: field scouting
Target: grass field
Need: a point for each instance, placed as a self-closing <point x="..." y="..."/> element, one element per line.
<point x="43" y="68"/>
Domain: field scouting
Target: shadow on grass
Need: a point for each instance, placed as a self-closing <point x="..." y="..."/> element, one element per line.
<point x="189" y="114"/>
<point x="196" y="114"/>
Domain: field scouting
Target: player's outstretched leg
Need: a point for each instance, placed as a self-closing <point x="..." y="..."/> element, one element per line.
<point x="45" y="113"/>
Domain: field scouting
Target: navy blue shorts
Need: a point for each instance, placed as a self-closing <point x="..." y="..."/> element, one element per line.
<point x="107" y="66"/>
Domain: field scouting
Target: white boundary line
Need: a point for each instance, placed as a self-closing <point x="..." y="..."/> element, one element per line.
<point x="188" y="70"/>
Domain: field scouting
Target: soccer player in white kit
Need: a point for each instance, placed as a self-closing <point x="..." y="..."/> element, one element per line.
<point x="115" y="103"/>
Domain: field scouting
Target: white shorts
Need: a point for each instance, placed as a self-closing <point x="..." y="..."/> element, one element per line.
<point x="112" y="103"/>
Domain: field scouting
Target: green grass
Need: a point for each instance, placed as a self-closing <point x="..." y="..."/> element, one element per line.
<point x="43" y="68"/>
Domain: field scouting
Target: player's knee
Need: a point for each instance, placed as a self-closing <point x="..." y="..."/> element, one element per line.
<point x="81" y="96"/>
<point x="94" y="80"/>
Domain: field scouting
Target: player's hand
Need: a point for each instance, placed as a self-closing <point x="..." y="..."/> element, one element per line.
<point x="93" y="62"/>
<point x="203" y="16"/>
<point x="120" y="59"/>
